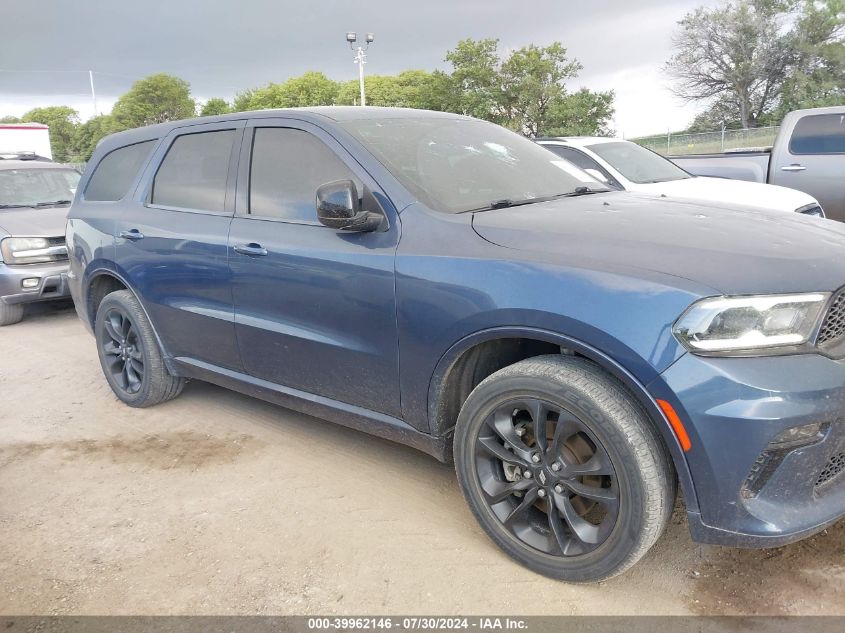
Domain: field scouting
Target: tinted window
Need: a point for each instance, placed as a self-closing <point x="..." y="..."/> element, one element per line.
<point x="638" y="164"/>
<point x="573" y="156"/>
<point x="193" y="174"/>
<point x="819" y="134"/>
<point x="287" y="168"/>
<point x="580" y="159"/>
<point x="116" y="172"/>
<point x="457" y="165"/>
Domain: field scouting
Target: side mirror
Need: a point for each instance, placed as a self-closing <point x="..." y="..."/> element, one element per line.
<point x="338" y="208"/>
<point x="595" y="173"/>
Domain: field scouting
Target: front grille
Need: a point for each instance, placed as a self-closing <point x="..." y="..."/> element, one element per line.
<point x="833" y="328"/>
<point x="834" y="467"/>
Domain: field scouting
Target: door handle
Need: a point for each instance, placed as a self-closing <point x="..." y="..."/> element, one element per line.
<point x="793" y="168"/>
<point x="252" y="249"/>
<point x="132" y="234"/>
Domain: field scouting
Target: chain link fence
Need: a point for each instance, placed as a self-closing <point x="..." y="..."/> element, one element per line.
<point x="710" y="142"/>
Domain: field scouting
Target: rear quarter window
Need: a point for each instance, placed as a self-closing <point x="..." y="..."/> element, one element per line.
<point x="116" y="171"/>
<point x="819" y="134"/>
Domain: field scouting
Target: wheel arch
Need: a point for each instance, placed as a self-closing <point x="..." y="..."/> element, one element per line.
<point x="102" y="283"/>
<point x="470" y="360"/>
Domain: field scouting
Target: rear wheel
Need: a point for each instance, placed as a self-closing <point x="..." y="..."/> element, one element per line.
<point x="10" y="314"/>
<point x="562" y="468"/>
<point x="129" y="353"/>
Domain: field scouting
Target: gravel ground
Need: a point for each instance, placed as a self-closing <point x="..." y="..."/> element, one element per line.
<point x="216" y="503"/>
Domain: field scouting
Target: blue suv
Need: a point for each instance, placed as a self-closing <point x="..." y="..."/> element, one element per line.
<point x="447" y="284"/>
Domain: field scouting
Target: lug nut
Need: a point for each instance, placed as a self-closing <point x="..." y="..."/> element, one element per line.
<point x="555" y="467"/>
<point x="559" y="489"/>
<point x="535" y="458"/>
<point x="541" y="493"/>
<point x="527" y="474"/>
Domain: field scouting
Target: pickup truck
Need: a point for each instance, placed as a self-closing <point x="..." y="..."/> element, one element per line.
<point x="808" y="155"/>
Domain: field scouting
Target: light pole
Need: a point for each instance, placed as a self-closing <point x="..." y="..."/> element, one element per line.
<point x="360" y="58"/>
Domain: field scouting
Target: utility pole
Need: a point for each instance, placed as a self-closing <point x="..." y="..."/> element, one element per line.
<point x="93" y="94"/>
<point x="360" y="58"/>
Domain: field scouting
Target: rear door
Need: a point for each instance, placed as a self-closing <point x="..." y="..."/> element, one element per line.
<point x="171" y="242"/>
<point x="813" y="161"/>
<point x="314" y="307"/>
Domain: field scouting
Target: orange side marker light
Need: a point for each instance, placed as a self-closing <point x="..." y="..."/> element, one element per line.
<point x="677" y="425"/>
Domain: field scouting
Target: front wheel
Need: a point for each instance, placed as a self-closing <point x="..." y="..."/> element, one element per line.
<point x="129" y="353"/>
<point x="562" y="468"/>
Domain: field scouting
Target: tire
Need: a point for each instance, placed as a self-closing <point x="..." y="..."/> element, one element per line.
<point x="10" y="314"/>
<point x="129" y="353"/>
<point x="608" y="485"/>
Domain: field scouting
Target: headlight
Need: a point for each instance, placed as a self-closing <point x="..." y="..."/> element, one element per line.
<point x="30" y="250"/>
<point x="731" y="324"/>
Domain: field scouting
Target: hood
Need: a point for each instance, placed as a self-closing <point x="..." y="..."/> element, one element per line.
<point x="29" y="222"/>
<point x="730" y="192"/>
<point x="734" y="251"/>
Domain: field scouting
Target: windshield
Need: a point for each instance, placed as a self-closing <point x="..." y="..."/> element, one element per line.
<point x="31" y="186"/>
<point x="458" y="165"/>
<point x="637" y="163"/>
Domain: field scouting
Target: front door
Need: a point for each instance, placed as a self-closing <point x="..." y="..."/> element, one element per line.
<point x="314" y="307"/>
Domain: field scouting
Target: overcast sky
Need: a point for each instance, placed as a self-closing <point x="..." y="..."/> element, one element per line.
<point x="224" y="46"/>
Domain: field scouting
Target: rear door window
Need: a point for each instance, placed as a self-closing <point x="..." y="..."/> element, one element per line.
<point x="194" y="172"/>
<point x="819" y="134"/>
<point x="116" y="172"/>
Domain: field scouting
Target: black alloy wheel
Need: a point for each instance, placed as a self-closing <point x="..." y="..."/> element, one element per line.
<point x="123" y="351"/>
<point x="563" y="469"/>
<point x="546" y="477"/>
<point x="129" y="352"/>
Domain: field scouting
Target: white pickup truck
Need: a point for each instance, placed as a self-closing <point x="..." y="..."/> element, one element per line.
<point x="808" y="155"/>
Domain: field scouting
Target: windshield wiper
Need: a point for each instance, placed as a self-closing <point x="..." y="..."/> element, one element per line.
<point x="52" y="203"/>
<point x="584" y="191"/>
<point x="507" y="203"/>
<point x="13" y="206"/>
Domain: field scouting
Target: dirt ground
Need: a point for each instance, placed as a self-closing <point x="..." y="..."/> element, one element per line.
<point x="216" y="503"/>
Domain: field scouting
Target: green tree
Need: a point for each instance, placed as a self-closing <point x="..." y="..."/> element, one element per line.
<point x="9" y="119"/>
<point x="526" y="91"/>
<point x="818" y="77"/>
<point x="62" y="121"/>
<point x="533" y="86"/>
<point x="747" y="58"/>
<point x="154" y="99"/>
<point x="215" y="106"/>
<point x="582" y="113"/>
<point x="408" y="89"/>
<point x="475" y="78"/>
<point x="90" y="133"/>
<point x="310" y="89"/>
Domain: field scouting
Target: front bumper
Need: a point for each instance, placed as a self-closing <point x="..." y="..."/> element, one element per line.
<point x="52" y="283"/>
<point x="750" y="492"/>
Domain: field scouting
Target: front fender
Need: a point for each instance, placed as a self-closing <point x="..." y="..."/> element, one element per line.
<point x="608" y="363"/>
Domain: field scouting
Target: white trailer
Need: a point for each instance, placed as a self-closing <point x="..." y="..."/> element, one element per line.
<point x="25" y="138"/>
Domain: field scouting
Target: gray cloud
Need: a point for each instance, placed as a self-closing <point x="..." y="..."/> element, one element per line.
<point x="222" y="46"/>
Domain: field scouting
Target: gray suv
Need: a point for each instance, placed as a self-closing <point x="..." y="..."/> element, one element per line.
<point x="34" y="200"/>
